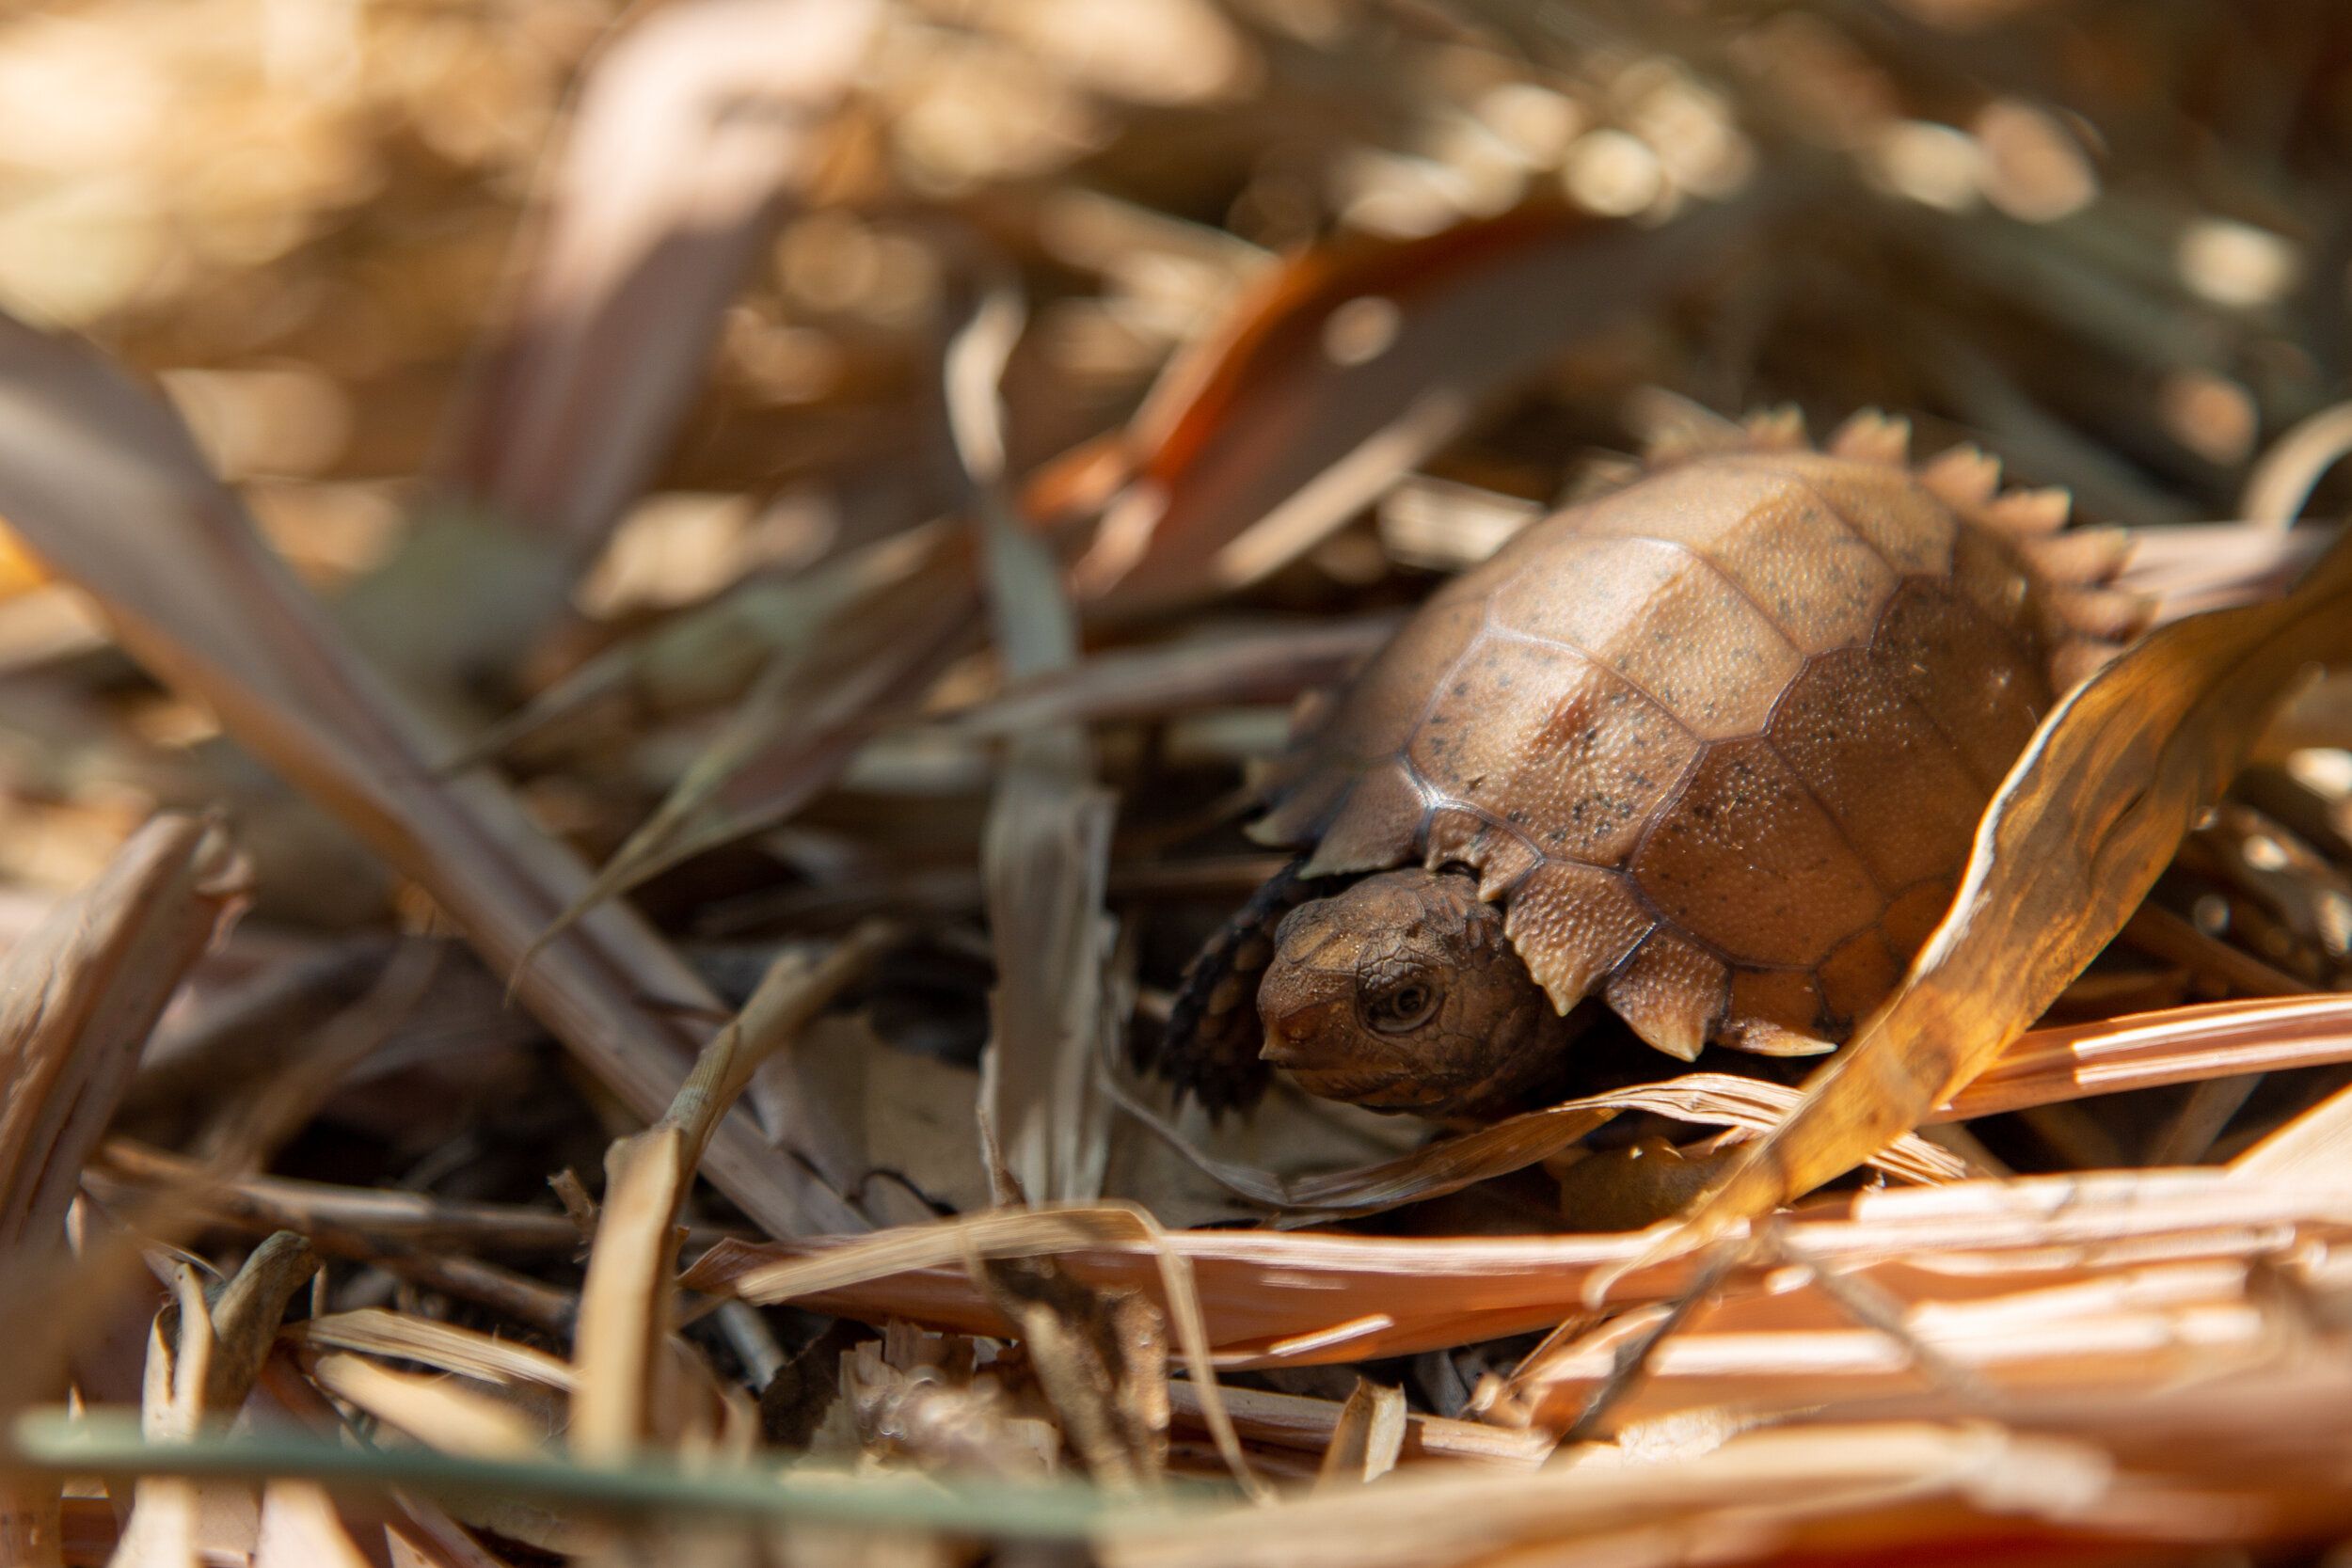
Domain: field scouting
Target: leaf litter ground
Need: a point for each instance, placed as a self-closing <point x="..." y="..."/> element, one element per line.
<point x="586" y="833"/>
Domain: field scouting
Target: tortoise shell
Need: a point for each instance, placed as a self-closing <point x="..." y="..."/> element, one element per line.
<point x="1717" y="742"/>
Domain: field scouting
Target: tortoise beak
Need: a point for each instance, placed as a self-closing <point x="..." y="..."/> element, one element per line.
<point x="1305" y="1038"/>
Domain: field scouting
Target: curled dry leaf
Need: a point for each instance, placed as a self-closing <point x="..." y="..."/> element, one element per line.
<point x="2078" y="833"/>
<point x="245" y="1315"/>
<point x="201" y="1361"/>
<point x="2281" y="482"/>
<point x="918" y="1398"/>
<point x="105" y="486"/>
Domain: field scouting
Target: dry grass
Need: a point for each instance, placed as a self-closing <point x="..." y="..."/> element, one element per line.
<point x="629" y="648"/>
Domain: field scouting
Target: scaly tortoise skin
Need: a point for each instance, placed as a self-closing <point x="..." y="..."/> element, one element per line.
<point x="1711" y="748"/>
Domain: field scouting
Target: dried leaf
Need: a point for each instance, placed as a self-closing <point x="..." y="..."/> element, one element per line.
<point x="403" y="1336"/>
<point x="1780" y="1477"/>
<point x="204" y="1361"/>
<point x="712" y="655"/>
<point x="1449" y="1165"/>
<point x="803" y="718"/>
<point x="105" y="486"/>
<point x="1033" y="1233"/>
<point x="624" y="1352"/>
<point x="337" y="1217"/>
<point x="432" y="1410"/>
<point x="78" y="997"/>
<point x="2316" y="1144"/>
<point x="1101" y="1358"/>
<point x="1366" y="1439"/>
<point x="2280" y="484"/>
<point x="902" y="1408"/>
<point x="2080" y="830"/>
<point x="1046" y="848"/>
<point x="2183" y="1045"/>
<point x="246" y="1316"/>
<point x="1296" y="1421"/>
<point x="694" y="124"/>
<point x="300" y="1529"/>
<point x="1153" y="682"/>
<point x="1301" y="1298"/>
<point x="1343" y="370"/>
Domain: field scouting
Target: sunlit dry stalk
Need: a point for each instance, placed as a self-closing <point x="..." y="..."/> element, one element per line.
<point x="628" y="1309"/>
<point x="1366" y="1439"/>
<point x="299" y="1528"/>
<point x="1043" y="854"/>
<point x="1304" y="1298"/>
<point x="1297" y="1422"/>
<point x="2280" y="484"/>
<point x="78" y="997"/>
<point x="203" y="1360"/>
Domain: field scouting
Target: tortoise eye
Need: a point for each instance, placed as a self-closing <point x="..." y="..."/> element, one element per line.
<point x="1402" y="1007"/>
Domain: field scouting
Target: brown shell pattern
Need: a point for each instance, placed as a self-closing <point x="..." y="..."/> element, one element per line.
<point x="1719" y="740"/>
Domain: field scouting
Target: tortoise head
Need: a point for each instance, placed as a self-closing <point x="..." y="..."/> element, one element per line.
<point x="1401" y="993"/>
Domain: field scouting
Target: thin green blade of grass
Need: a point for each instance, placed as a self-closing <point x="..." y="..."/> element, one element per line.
<point x="54" y="1442"/>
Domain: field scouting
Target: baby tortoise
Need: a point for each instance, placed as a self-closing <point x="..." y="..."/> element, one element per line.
<point x="1710" y="748"/>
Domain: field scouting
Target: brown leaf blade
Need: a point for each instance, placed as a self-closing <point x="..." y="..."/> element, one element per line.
<point x="2079" y="831"/>
<point x="696" y="124"/>
<point x="1307" y="1297"/>
<point x="105" y="484"/>
<point x="1348" y="366"/>
<point x="625" y="1362"/>
<point x="77" y="998"/>
<point x="692" y="124"/>
<point x="1448" y="1165"/>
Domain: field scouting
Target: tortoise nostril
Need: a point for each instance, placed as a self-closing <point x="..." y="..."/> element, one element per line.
<point x="1298" y="1036"/>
